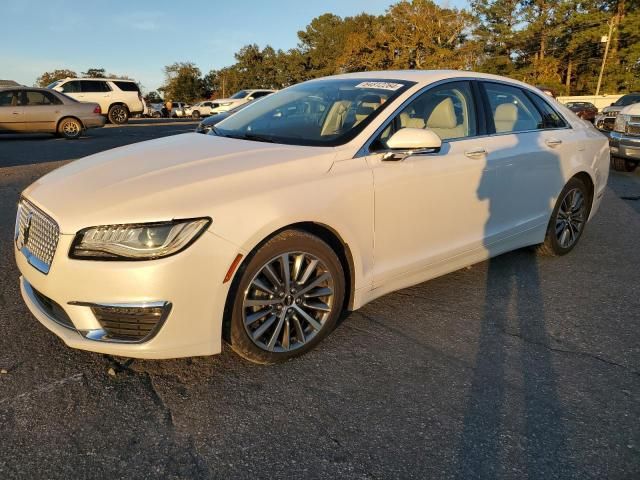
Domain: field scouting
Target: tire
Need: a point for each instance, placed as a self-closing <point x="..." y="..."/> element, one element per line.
<point x="195" y="114"/>
<point x="623" y="165"/>
<point x="118" y="114"/>
<point x="70" y="128"/>
<point x="283" y="322"/>
<point x="568" y="219"/>
<point x="156" y="115"/>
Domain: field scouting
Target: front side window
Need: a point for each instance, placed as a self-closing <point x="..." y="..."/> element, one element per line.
<point x="71" y="87"/>
<point x="511" y="109"/>
<point x="326" y="112"/>
<point x="447" y="109"/>
<point x="627" y="100"/>
<point x="260" y="94"/>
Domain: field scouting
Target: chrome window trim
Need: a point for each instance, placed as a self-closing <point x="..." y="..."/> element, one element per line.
<point x="365" y="152"/>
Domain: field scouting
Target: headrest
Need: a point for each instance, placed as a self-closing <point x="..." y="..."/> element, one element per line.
<point x="371" y="99"/>
<point x="506" y="112"/>
<point x="443" y="116"/>
<point x="364" y="110"/>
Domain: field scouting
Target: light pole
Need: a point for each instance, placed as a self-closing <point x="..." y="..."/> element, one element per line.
<point x="604" y="58"/>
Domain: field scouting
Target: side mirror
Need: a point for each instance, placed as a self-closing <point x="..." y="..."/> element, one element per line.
<point x="412" y="141"/>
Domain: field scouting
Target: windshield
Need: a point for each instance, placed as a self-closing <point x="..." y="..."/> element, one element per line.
<point x="240" y="94"/>
<point x="320" y="112"/>
<point x="627" y="100"/>
<point x="53" y="84"/>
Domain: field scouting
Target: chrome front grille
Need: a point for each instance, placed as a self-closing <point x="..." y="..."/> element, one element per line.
<point x="36" y="235"/>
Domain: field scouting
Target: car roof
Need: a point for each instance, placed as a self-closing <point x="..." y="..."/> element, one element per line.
<point x="22" y="87"/>
<point x="99" y="79"/>
<point x="425" y="76"/>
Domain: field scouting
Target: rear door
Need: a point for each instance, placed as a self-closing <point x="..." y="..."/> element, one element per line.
<point x="97" y="91"/>
<point x="41" y="110"/>
<point x="11" y="112"/>
<point x="527" y="156"/>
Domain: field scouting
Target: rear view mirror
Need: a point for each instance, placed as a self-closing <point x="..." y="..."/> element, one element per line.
<point x="412" y="141"/>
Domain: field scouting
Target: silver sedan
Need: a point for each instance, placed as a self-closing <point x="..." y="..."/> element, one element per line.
<point x="24" y="109"/>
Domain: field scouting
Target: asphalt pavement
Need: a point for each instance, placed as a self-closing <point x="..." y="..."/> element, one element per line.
<point x="522" y="367"/>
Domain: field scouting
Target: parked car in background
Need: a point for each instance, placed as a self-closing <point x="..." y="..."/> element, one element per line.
<point x="208" y="123"/>
<point x="238" y="98"/>
<point x="26" y="109"/>
<point x="624" y="140"/>
<point x="178" y="110"/>
<point x="118" y="99"/>
<point x="201" y="109"/>
<point x="263" y="233"/>
<point x="584" y="110"/>
<point x="607" y="118"/>
<point x="155" y="110"/>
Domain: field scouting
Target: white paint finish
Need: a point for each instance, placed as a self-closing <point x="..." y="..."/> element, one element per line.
<point x="403" y="222"/>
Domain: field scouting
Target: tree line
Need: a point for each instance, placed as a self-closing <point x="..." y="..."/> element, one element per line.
<point x="556" y="43"/>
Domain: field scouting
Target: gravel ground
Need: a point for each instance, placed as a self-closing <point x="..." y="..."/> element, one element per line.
<point x="520" y="367"/>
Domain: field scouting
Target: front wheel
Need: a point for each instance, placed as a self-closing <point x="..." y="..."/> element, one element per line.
<point x="289" y="297"/>
<point x="568" y="219"/>
<point x="70" y="128"/>
<point x="118" y="114"/>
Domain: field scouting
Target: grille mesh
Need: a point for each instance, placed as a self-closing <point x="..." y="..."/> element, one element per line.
<point x="38" y="232"/>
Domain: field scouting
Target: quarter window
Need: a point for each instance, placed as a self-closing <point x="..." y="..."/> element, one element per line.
<point x="550" y="118"/>
<point x="511" y="109"/>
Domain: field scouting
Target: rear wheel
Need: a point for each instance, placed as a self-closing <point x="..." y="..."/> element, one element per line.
<point x="568" y="219"/>
<point x="118" y="114"/>
<point x="289" y="298"/>
<point x="623" y="165"/>
<point x="70" y="128"/>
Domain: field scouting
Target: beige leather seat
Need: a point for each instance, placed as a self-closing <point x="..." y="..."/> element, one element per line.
<point x="335" y="118"/>
<point x="367" y="106"/>
<point x="407" y="121"/>
<point x="443" y="121"/>
<point x="505" y="117"/>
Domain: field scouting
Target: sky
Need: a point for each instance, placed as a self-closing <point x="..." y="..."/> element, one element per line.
<point x="139" y="37"/>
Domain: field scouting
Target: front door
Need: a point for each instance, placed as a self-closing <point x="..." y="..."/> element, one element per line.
<point x="429" y="208"/>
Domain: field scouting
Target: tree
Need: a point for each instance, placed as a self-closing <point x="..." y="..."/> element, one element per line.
<point x="153" y="97"/>
<point x="183" y="82"/>
<point x="49" y="77"/>
<point x="94" y="73"/>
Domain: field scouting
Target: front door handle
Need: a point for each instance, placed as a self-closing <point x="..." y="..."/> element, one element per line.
<point x="476" y="153"/>
<point x="553" y="142"/>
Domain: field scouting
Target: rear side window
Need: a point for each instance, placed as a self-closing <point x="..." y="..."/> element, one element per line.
<point x="7" y="98"/>
<point x="71" y="87"/>
<point x="127" y="86"/>
<point x="550" y="118"/>
<point x="93" y="86"/>
<point x="511" y="109"/>
<point x="36" y="98"/>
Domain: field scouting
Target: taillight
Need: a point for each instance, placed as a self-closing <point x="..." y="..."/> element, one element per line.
<point x="97" y="110"/>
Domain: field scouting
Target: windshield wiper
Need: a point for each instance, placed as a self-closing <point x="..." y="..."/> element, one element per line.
<point x="257" y="137"/>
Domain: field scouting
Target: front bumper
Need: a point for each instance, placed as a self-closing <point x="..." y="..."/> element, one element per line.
<point x="624" y="146"/>
<point x="191" y="282"/>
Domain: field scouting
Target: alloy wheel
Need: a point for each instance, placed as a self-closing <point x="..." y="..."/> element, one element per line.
<point x="288" y="302"/>
<point x="71" y="129"/>
<point x="571" y="218"/>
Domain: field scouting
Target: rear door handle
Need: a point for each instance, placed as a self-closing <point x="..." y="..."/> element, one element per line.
<point x="553" y="142"/>
<point x="476" y="153"/>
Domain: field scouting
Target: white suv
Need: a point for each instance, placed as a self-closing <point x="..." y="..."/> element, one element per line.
<point x="200" y="109"/>
<point x="118" y="99"/>
<point x="237" y="99"/>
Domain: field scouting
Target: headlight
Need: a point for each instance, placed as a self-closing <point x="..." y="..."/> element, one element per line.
<point x="143" y="241"/>
<point x="621" y="123"/>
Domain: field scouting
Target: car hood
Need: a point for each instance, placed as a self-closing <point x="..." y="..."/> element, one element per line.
<point x="633" y="109"/>
<point x="611" y="109"/>
<point x="228" y="100"/>
<point x="181" y="176"/>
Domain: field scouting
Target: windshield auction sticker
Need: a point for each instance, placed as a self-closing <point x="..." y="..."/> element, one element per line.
<point x="380" y="85"/>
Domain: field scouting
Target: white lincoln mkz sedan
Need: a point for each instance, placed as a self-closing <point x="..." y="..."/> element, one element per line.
<point x="317" y="199"/>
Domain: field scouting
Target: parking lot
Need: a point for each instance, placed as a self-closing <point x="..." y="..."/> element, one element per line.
<point x="520" y="367"/>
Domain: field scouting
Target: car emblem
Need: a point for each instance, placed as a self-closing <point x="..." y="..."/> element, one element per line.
<point x="27" y="228"/>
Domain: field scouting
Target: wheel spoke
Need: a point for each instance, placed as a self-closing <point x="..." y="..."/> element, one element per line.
<point x="286" y="271"/>
<point x="308" y="271"/>
<point x="254" y="317"/>
<point x="276" y="332"/>
<point x="323" y="307"/>
<point x="320" y="292"/>
<point x="264" y="327"/>
<point x="299" y="330"/>
<point x="262" y="286"/>
<point x="297" y="266"/>
<point x="563" y="238"/>
<point x="312" y="321"/>
<point x="258" y="302"/>
<point x="286" y="334"/>
<point x="271" y="275"/>
<point x="314" y="284"/>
